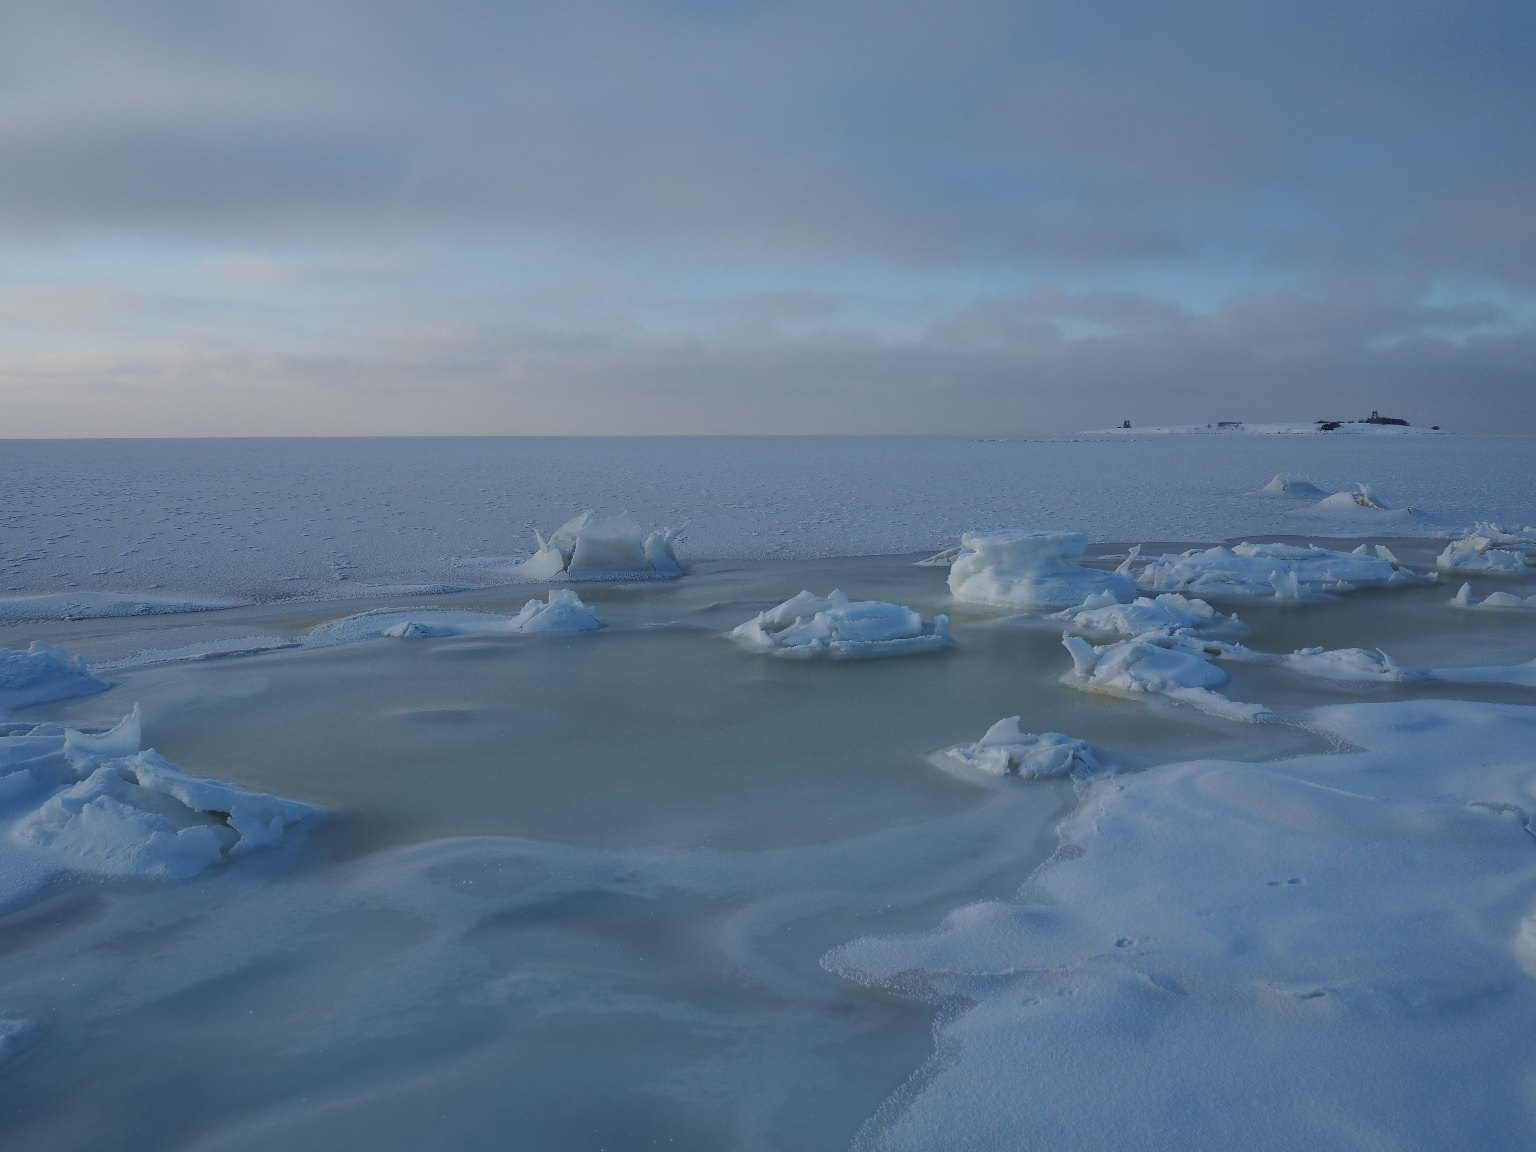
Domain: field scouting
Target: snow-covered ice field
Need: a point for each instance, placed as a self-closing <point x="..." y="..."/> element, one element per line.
<point x="322" y="825"/>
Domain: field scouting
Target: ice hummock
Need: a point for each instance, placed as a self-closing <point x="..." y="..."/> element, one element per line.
<point x="1494" y="601"/>
<point x="589" y="548"/>
<point x="96" y="803"/>
<point x="1293" y="487"/>
<point x="562" y="611"/>
<point x="1034" y="571"/>
<point x="833" y="626"/>
<point x="1274" y="571"/>
<point x="1139" y="668"/>
<point x="1168" y="614"/>
<point x="1481" y="550"/>
<point x="1006" y="751"/>
<point x="1360" y="502"/>
<point x="42" y="674"/>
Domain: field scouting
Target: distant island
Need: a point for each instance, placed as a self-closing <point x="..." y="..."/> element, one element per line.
<point x="1374" y="424"/>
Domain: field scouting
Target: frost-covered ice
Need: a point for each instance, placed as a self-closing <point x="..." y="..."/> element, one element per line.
<point x="43" y="673"/>
<point x="1004" y="750"/>
<point x="96" y="605"/>
<point x="96" y="804"/>
<point x="1273" y="571"/>
<point x="1298" y="954"/>
<point x="1164" y="615"/>
<point x="1480" y="551"/>
<point x="1033" y="571"/>
<point x="562" y="611"/>
<point x="587" y="547"/>
<point x="807" y="625"/>
<point x="1139" y="668"/>
<point x="1494" y="601"/>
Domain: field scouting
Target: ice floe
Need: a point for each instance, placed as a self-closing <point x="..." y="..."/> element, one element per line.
<point x="43" y="673"/>
<point x="1480" y="551"/>
<point x="95" y="803"/>
<point x="1274" y="571"/>
<point x="1030" y="570"/>
<point x="808" y="625"/>
<point x="1494" y="601"/>
<point x="562" y="611"/>
<point x="1164" y="615"/>
<point x="1006" y="751"/>
<point x="590" y="548"/>
<point x="1139" y="668"/>
<point x="1262" y="955"/>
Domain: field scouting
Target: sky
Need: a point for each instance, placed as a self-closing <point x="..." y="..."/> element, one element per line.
<point x="320" y="217"/>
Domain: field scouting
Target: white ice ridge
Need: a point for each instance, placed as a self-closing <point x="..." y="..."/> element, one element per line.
<point x="1480" y="551"/>
<point x="1031" y="571"/>
<point x="1502" y="601"/>
<point x="1006" y="751"/>
<point x="43" y="673"/>
<point x="1101" y="617"/>
<point x="94" y="803"/>
<point x="1279" y="571"/>
<point x="1167" y="666"/>
<point x="588" y="548"/>
<point x="562" y="611"/>
<point x="1253" y="955"/>
<point x="833" y="626"/>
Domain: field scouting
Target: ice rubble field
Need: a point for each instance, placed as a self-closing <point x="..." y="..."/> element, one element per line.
<point x="1197" y="845"/>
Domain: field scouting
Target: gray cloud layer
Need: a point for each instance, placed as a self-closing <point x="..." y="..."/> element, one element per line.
<point x="1009" y="216"/>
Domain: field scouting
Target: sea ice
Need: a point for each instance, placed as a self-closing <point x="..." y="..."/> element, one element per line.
<point x="43" y="673"/>
<point x="1030" y="570"/>
<point x="562" y="611"/>
<point x="1494" y="600"/>
<point x="1165" y="615"/>
<point x="834" y="626"/>
<point x="1293" y="487"/>
<point x="1278" y="571"/>
<point x="1350" y="665"/>
<point x="1006" y="751"/>
<point x="588" y="548"/>
<point x="96" y="605"/>
<point x="94" y="803"/>
<point x="1361" y="503"/>
<point x="1478" y="551"/>
<point x="1137" y="668"/>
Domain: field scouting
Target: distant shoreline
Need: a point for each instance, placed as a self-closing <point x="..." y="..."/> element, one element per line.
<point x="1243" y="428"/>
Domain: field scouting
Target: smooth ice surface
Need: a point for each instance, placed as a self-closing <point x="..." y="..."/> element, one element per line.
<point x="832" y="626"/>
<point x="1284" y="955"/>
<point x="1030" y="570"/>
<point x="43" y="673"/>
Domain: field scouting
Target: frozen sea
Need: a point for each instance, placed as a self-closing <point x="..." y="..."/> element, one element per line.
<point x="643" y="886"/>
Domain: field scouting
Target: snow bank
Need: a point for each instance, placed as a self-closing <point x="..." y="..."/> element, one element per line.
<point x="1006" y="751"/>
<point x="1138" y="668"/>
<point x="1279" y="571"/>
<point x="94" y="803"/>
<point x="1030" y="570"/>
<point x="1502" y="601"/>
<point x="1264" y="956"/>
<point x="834" y="626"/>
<point x="1165" y="615"/>
<point x="43" y="673"/>
<point x="562" y="611"/>
<point x="587" y="548"/>
<point x="1479" y="551"/>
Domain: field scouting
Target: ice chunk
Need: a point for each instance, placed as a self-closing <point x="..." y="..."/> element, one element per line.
<point x="1350" y="665"/>
<point x="1165" y="615"/>
<point x="1478" y="551"/>
<point x="1504" y="601"/>
<point x="43" y="673"/>
<point x="562" y="611"/>
<point x="1361" y="502"/>
<point x="834" y="626"/>
<point x="1280" y="571"/>
<point x="94" y="803"/>
<point x="587" y="548"/>
<point x="1030" y="570"/>
<point x="1294" y="487"/>
<point x="1136" y="668"/>
<point x="1006" y="751"/>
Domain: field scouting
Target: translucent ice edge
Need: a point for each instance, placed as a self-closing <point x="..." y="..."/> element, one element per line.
<point x="834" y="627"/>
<point x="589" y="548"/>
<point x="1362" y="921"/>
<point x="95" y="803"/>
